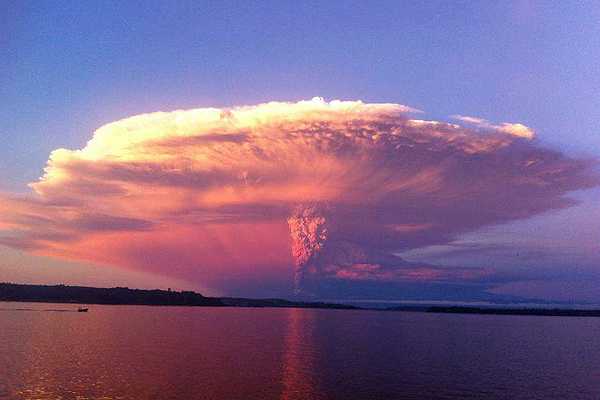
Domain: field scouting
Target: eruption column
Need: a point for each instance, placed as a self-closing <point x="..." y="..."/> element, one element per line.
<point x="308" y="229"/>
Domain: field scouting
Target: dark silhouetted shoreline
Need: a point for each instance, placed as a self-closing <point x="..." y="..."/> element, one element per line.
<point x="92" y="295"/>
<point x="126" y="296"/>
<point x="549" y="312"/>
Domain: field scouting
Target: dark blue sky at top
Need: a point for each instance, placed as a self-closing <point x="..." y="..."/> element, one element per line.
<point x="68" y="67"/>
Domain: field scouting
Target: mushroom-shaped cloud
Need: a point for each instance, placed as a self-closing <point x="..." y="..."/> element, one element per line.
<point x="236" y="197"/>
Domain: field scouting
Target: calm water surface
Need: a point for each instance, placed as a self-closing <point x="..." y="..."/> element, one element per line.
<point x="131" y="352"/>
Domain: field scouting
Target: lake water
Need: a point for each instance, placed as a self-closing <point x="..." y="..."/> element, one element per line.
<point x="136" y="352"/>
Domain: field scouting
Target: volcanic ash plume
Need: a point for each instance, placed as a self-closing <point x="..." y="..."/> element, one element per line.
<point x="211" y="190"/>
<point x="308" y="229"/>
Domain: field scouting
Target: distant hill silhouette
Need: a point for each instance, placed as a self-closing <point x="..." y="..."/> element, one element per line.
<point x="92" y="295"/>
<point x="156" y="297"/>
<point x="124" y="295"/>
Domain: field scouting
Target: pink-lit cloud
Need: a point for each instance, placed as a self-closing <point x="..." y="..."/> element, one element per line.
<point x="514" y="129"/>
<point x="330" y="189"/>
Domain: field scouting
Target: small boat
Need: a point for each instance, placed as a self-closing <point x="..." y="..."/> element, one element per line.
<point x="81" y="309"/>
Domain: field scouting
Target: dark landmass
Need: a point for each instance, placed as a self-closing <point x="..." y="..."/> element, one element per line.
<point x="241" y="302"/>
<point x="554" y="312"/>
<point x="91" y="295"/>
<point x="126" y="296"/>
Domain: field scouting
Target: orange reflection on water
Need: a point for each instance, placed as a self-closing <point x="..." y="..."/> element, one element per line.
<point x="300" y="379"/>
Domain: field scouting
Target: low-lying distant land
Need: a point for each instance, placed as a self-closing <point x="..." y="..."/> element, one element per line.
<point x="11" y="292"/>
<point x="127" y="296"/>
<point x="552" y="312"/>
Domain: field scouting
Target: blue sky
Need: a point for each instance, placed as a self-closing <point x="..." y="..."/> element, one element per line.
<point x="66" y="68"/>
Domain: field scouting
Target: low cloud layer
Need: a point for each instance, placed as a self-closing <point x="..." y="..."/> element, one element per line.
<point x="240" y="197"/>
